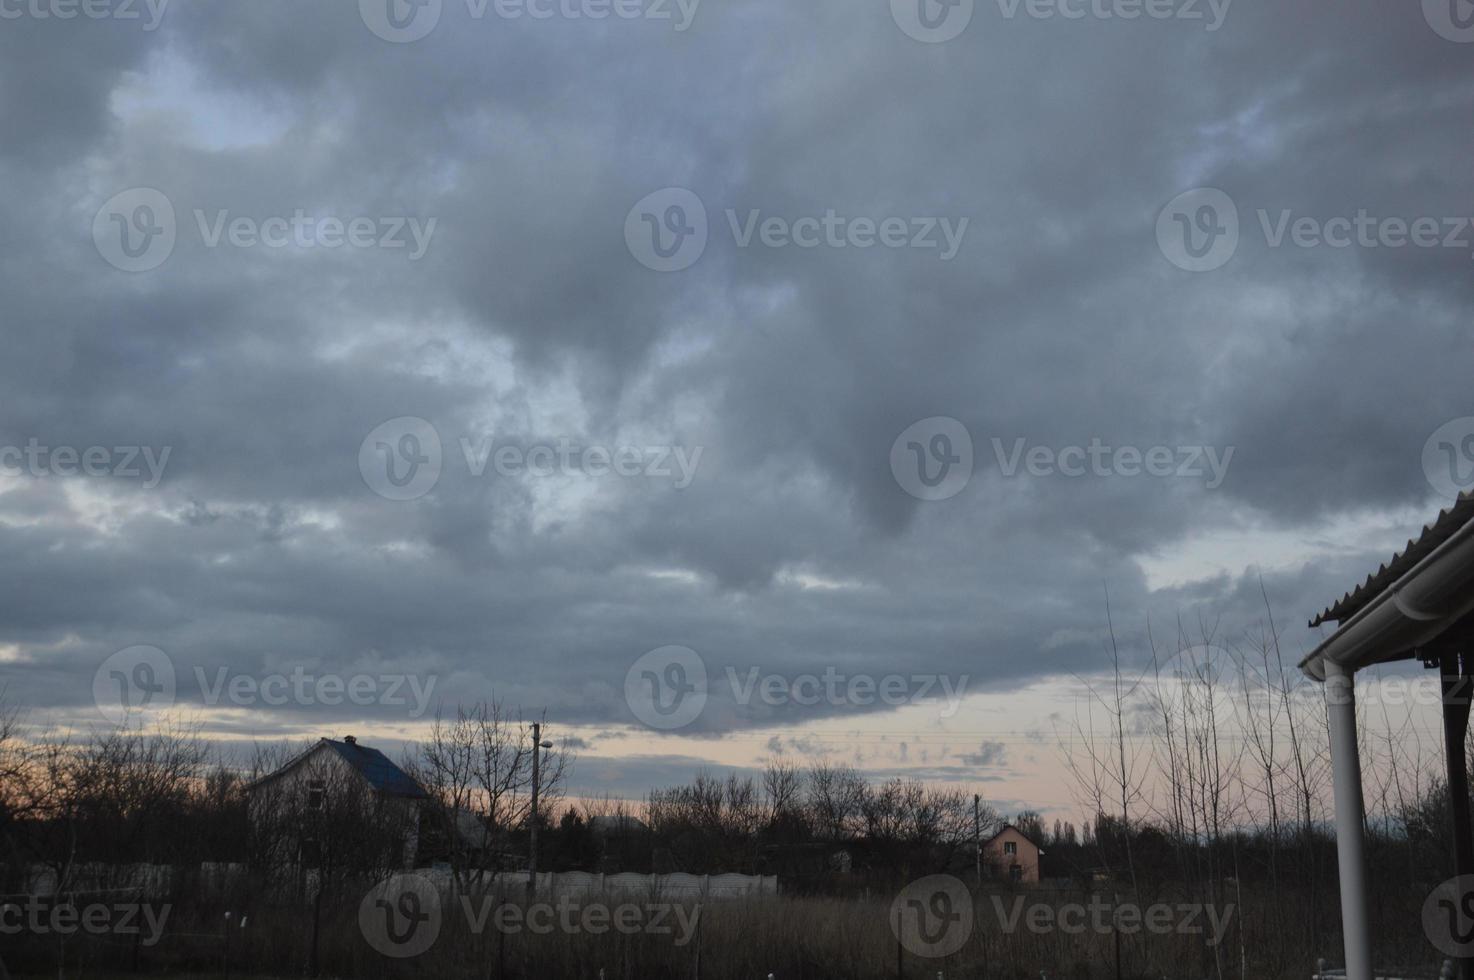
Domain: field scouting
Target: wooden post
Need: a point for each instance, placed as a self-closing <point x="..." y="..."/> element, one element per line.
<point x="1456" y="695"/>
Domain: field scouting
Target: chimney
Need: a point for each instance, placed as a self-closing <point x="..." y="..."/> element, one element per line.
<point x="350" y="740"/>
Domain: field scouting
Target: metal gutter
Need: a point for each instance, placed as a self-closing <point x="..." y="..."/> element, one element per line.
<point x="1407" y="614"/>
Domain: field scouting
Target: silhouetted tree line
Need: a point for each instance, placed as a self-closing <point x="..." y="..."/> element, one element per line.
<point x="1208" y="783"/>
<point x="824" y="824"/>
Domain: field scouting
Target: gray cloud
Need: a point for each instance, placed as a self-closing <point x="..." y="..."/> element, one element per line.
<point x="527" y="321"/>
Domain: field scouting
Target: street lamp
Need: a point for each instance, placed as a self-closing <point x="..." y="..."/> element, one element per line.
<point x="537" y="746"/>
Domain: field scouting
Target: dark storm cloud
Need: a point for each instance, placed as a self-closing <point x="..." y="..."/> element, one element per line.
<point x="528" y="320"/>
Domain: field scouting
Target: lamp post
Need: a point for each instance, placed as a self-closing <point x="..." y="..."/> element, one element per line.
<point x="537" y="746"/>
<point x="977" y="836"/>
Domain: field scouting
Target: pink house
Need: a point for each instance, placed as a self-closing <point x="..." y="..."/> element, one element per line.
<point x="1009" y="854"/>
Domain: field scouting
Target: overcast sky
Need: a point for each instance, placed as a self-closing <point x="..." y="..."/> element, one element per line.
<point x="493" y="351"/>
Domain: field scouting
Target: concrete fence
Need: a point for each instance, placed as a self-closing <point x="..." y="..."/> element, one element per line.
<point x="675" y="887"/>
<point x="157" y="879"/>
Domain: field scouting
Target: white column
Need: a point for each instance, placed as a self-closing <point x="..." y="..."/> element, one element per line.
<point x="1350" y="829"/>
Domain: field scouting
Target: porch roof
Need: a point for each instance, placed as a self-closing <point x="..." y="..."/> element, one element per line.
<point x="1449" y="521"/>
<point x="1411" y="601"/>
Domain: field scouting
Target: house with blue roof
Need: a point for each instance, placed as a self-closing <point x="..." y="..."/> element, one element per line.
<point x="305" y="801"/>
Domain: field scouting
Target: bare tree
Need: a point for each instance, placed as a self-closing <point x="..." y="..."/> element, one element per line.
<point x="783" y="786"/>
<point x="835" y="797"/>
<point x="446" y="765"/>
<point x="16" y="798"/>
<point x="477" y="769"/>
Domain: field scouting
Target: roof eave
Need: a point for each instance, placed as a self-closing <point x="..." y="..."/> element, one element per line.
<point x="286" y="767"/>
<point x="1414" y="610"/>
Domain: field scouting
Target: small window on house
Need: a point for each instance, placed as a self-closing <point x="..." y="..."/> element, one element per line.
<point x="1010" y="847"/>
<point x="316" y="791"/>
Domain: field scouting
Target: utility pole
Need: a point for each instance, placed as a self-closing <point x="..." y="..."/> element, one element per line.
<point x="977" y="835"/>
<point x="537" y="746"/>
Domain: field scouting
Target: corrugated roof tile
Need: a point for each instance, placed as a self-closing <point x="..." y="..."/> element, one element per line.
<point x="1449" y="521"/>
